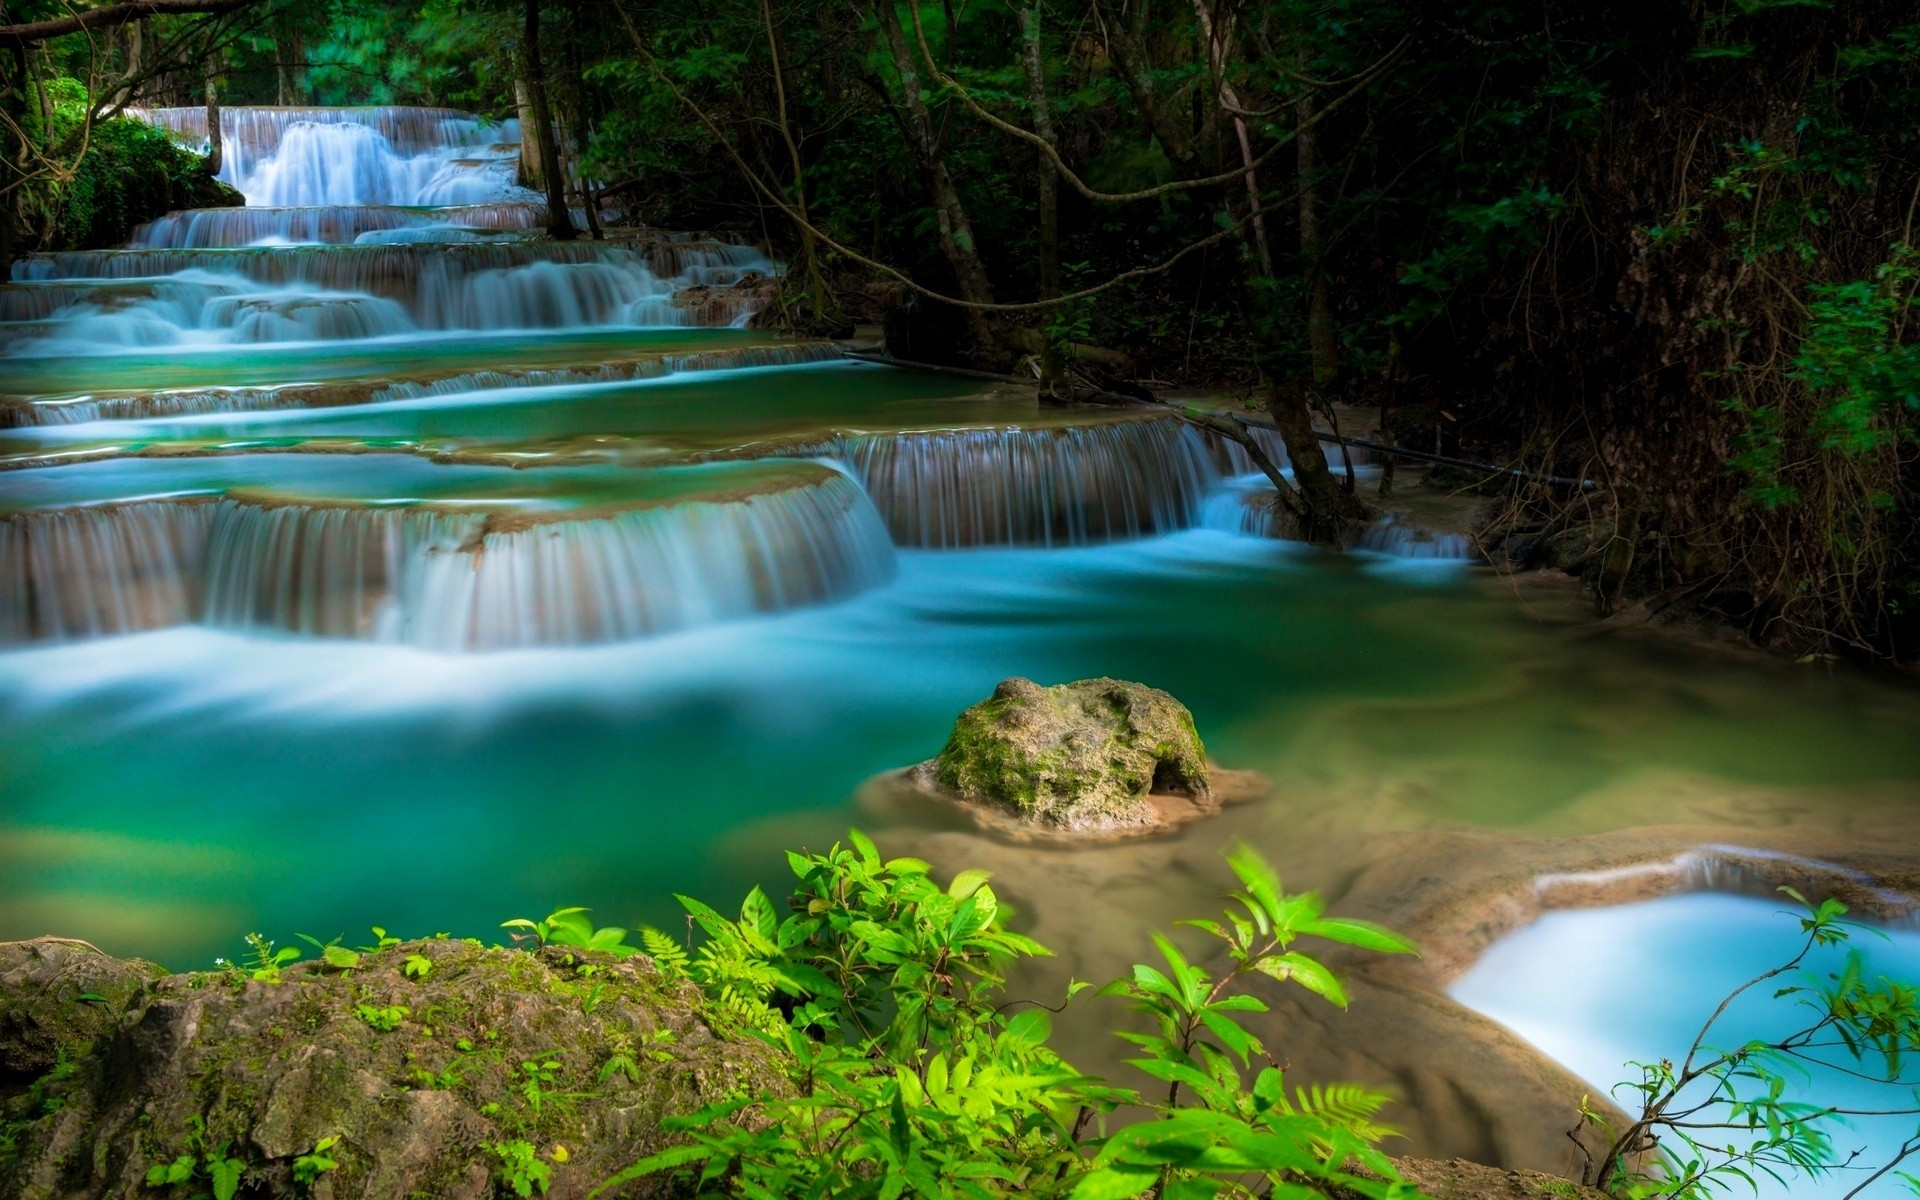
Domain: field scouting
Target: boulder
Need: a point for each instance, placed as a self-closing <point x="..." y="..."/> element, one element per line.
<point x="441" y="1068"/>
<point x="1084" y="757"/>
<point x="57" y="997"/>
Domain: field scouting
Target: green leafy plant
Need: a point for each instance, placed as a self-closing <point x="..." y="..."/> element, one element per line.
<point x="417" y="967"/>
<point x="267" y="961"/>
<point x="914" y="1073"/>
<point x="570" y="927"/>
<point x="200" y="1162"/>
<point x="384" y="1018"/>
<point x="519" y="1168"/>
<point x="536" y="1076"/>
<point x="332" y="953"/>
<point x="317" y="1161"/>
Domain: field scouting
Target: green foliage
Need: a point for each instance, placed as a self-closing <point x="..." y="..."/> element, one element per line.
<point x="317" y="1161"/>
<point x="332" y="953"/>
<point x="117" y="174"/>
<point x="1719" y="1118"/>
<point x="519" y="1167"/>
<point x="267" y="961"/>
<point x="1860" y="359"/>
<point x="383" y="1018"/>
<point x="570" y="927"/>
<point x="913" y="1074"/>
<point x="440" y="52"/>
<point x="199" y="1162"/>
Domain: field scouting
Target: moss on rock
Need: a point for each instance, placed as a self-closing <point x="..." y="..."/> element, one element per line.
<point x="133" y="173"/>
<point x="57" y="997"/>
<point x="1082" y="757"/>
<point x="420" y="1073"/>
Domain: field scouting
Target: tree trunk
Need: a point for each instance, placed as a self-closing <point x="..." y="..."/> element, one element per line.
<point x="1322" y="345"/>
<point x="1130" y="59"/>
<point x="13" y="155"/>
<point x="1330" y="507"/>
<point x="956" y="231"/>
<point x="214" y="155"/>
<point x="1230" y="101"/>
<point x="1052" y="371"/>
<point x="577" y="85"/>
<point x="559" y="220"/>
<point x="530" y="174"/>
<point x="287" y="53"/>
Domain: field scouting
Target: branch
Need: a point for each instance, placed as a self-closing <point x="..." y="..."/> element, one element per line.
<point x="1178" y="185"/>
<point x="780" y="202"/>
<point x="117" y="14"/>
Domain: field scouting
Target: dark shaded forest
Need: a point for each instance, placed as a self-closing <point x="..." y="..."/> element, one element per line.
<point x="1655" y="255"/>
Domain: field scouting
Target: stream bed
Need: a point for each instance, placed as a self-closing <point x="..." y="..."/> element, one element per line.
<point x="368" y="560"/>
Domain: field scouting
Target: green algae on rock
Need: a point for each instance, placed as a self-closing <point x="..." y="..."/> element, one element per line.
<point x="1087" y="757"/>
<point x="437" y="1065"/>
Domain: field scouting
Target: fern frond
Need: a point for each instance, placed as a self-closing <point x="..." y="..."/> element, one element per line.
<point x="668" y="955"/>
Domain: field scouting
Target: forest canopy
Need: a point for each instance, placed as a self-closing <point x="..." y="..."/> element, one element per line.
<point x="1659" y="251"/>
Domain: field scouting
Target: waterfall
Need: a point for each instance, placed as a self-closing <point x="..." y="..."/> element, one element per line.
<point x="1394" y="534"/>
<point x="1235" y="460"/>
<point x="160" y="296"/>
<point x="442" y="579"/>
<point x="331" y="225"/>
<point x="352" y="207"/>
<point x="1244" y="505"/>
<point x="180" y="402"/>
<point x="321" y="156"/>
<point x="92" y="572"/>
<point x="1070" y="485"/>
<point x="471" y="581"/>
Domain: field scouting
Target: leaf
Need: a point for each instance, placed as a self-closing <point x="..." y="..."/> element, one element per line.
<point x="225" y="1173"/>
<point x="1364" y="934"/>
<point x="1258" y="877"/>
<point x="967" y="882"/>
<point x="1114" y="1183"/>
<point x="1306" y="972"/>
<point x="1030" y="1028"/>
<point x="340" y="958"/>
<point x="1231" y="1035"/>
<point x="653" y="1164"/>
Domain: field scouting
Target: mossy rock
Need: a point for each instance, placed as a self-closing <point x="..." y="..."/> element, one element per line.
<point x="1457" y="1179"/>
<point x="1083" y="757"/>
<point x="132" y="173"/>
<point x="57" y="997"/>
<point x="415" y="1059"/>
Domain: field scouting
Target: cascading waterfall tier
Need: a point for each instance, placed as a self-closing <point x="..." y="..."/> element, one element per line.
<point x="440" y="576"/>
<point x="94" y="572"/>
<point x="154" y="297"/>
<point x="359" y="156"/>
<point x="332" y="225"/>
<point x="1047" y="486"/>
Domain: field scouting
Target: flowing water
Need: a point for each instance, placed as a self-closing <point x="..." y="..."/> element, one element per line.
<point x="1576" y="985"/>
<point x="365" y="558"/>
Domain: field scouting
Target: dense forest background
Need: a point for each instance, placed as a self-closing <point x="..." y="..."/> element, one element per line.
<point x="1660" y="250"/>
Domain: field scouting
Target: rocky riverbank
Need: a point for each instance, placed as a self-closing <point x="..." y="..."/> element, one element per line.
<point x="435" y="1068"/>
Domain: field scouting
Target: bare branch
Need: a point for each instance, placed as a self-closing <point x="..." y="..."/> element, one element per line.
<point x="118" y="14"/>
